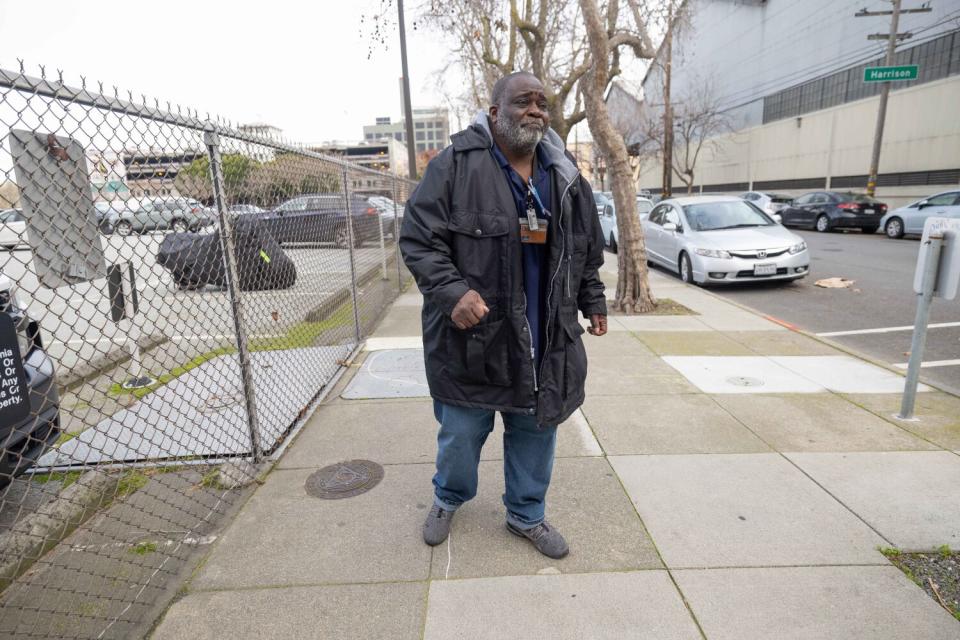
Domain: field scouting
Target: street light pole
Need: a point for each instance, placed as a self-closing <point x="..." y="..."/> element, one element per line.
<point x="882" y="110"/>
<point x="407" y="109"/>
<point x="667" y="186"/>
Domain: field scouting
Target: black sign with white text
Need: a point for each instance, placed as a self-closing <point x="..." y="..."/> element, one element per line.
<point x="14" y="394"/>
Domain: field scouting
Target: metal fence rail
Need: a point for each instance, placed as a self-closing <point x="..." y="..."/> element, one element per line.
<point x="176" y="293"/>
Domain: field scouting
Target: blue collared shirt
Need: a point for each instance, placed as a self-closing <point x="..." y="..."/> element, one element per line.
<point x="534" y="255"/>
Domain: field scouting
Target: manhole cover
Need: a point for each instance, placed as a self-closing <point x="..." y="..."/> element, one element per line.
<point x="344" y="479"/>
<point x="744" y="381"/>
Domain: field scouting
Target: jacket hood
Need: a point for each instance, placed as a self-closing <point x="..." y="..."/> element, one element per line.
<point x="479" y="136"/>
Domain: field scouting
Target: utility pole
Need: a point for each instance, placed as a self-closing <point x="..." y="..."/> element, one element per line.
<point x="407" y="109"/>
<point x="891" y="39"/>
<point x="667" y="187"/>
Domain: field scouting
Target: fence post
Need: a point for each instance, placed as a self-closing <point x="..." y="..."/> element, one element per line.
<point x="396" y="233"/>
<point x="383" y="251"/>
<point x="353" y="271"/>
<point x="212" y="141"/>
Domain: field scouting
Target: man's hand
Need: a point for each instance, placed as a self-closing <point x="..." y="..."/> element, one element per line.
<point x="471" y="309"/>
<point x="598" y="325"/>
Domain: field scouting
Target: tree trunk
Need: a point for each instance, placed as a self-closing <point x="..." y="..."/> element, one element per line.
<point x="633" y="289"/>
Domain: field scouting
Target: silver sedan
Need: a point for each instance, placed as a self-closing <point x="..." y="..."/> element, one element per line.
<point x="722" y="240"/>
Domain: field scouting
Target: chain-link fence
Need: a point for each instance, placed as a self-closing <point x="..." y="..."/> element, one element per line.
<point x="175" y="295"/>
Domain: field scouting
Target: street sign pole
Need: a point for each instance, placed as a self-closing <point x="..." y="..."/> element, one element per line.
<point x="882" y="110"/>
<point x="924" y="300"/>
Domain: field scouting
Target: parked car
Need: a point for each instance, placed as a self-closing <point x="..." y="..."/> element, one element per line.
<point x="721" y="240"/>
<point x="608" y="221"/>
<point x="388" y="211"/>
<point x="322" y="217"/>
<point x="771" y="203"/>
<point x="601" y="199"/>
<point x="13" y="229"/>
<point x="829" y="210"/>
<point x="245" y="209"/>
<point x="25" y="431"/>
<point x="910" y="219"/>
<point x="162" y="214"/>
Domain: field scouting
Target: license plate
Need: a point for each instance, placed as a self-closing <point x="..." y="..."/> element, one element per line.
<point x="868" y="211"/>
<point x="764" y="269"/>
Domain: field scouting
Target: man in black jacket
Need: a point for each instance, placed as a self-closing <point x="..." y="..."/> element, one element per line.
<point x="503" y="238"/>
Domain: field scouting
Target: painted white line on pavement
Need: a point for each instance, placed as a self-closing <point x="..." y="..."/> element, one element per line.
<point x="856" y="332"/>
<point x="930" y="363"/>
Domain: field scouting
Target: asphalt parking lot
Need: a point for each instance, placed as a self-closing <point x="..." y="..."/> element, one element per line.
<point x="875" y="314"/>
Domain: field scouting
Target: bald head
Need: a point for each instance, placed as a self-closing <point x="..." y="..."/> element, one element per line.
<point x="500" y="88"/>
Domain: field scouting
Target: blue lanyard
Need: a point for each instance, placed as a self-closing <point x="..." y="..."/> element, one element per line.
<point x="536" y="196"/>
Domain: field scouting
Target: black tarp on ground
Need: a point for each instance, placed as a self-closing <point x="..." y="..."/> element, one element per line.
<point x="196" y="260"/>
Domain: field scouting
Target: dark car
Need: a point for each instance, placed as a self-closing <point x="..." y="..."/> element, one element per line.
<point x="829" y="210"/>
<point x="323" y="218"/>
<point x="29" y="404"/>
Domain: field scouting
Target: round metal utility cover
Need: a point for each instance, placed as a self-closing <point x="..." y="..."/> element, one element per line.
<point x="744" y="381"/>
<point x="344" y="479"/>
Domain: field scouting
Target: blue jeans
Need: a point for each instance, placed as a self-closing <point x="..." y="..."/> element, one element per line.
<point x="527" y="460"/>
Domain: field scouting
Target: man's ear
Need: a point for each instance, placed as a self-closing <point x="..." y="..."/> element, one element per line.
<point x="492" y="111"/>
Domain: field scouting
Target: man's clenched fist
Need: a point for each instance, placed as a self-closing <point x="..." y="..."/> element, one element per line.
<point x="469" y="311"/>
<point x="598" y="325"/>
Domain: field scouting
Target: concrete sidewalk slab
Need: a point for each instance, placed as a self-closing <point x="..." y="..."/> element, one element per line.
<point x="634" y="376"/>
<point x="394" y="610"/>
<point x="912" y="498"/>
<point x="845" y="374"/>
<point x="686" y="424"/>
<point x="742" y="510"/>
<point x="393" y="373"/>
<point x="283" y="537"/>
<point x="615" y="345"/>
<point x="412" y="298"/>
<point x="641" y="605"/>
<point x="704" y="343"/>
<point x="586" y="503"/>
<point x="403" y="432"/>
<point x="395" y="342"/>
<point x="400" y="321"/>
<point x="818" y="422"/>
<point x="813" y="603"/>
<point x="658" y="323"/>
<point x="937" y="415"/>
<point x="786" y="343"/>
<point x="741" y="374"/>
<point x="739" y="321"/>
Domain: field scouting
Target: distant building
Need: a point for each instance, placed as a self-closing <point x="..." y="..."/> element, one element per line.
<point x="151" y="173"/>
<point x="431" y="129"/>
<point x="386" y="157"/>
<point x="260" y="130"/>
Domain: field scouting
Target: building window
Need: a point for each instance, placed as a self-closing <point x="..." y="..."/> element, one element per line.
<point x="398" y="137"/>
<point x="420" y="135"/>
<point x="421" y="146"/>
<point x="418" y="125"/>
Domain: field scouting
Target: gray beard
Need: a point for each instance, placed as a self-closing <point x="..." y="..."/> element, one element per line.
<point x="520" y="139"/>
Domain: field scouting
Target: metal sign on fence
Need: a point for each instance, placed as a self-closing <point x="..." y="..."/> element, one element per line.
<point x="55" y="197"/>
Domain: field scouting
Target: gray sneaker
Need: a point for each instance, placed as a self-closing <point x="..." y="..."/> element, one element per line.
<point x="545" y="539"/>
<point x="436" y="527"/>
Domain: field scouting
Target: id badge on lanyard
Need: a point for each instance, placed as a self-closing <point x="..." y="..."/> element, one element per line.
<point x="533" y="229"/>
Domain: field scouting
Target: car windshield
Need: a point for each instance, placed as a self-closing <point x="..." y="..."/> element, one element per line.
<point x="779" y="199"/>
<point x="857" y="197"/>
<point x="731" y="214"/>
<point x="643" y="206"/>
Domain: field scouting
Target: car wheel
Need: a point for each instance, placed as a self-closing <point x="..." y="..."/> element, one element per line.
<point x="869" y="230"/>
<point x="123" y="228"/>
<point x="823" y="224"/>
<point x="180" y="226"/>
<point x="613" y="243"/>
<point x="686" y="269"/>
<point x="894" y="228"/>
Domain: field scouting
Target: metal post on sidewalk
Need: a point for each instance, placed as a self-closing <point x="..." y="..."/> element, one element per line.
<point x="212" y="141"/>
<point x="353" y="270"/>
<point x="924" y="299"/>
<point x="383" y="251"/>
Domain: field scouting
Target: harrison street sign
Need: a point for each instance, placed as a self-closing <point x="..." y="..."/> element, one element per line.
<point x="885" y="74"/>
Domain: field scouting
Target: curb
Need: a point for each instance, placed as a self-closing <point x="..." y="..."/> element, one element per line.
<point x="38" y="532"/>
<point x="86" y="371"/>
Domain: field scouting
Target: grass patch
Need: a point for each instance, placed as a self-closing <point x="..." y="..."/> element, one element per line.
<point x="65" y="437"/>
<point x="211" y="479"/>
<point x="665" y="307"/>
<point x="117" y="389"/>
<point x="66" y="477"/>
<point x="130" y="482"/>
<point x="944" y="551"/>
<point x="143" y="548"/>
<point x="936" y="572"/>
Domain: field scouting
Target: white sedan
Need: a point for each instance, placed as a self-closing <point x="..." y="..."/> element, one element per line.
<point x="13" y="229"/>
<point x="722" y="240"/>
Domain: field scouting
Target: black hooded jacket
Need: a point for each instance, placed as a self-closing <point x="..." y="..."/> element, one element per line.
<point x="460" y="231"/>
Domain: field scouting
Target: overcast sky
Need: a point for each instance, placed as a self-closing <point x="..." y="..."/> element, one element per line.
<point x="300" y="66"/>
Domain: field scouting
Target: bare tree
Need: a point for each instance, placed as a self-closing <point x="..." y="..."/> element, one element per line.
<point x="633" y="289"/>
<point x="697" y="122"/>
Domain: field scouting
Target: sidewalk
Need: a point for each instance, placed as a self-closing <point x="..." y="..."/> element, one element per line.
<point x="726" y="478"/>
